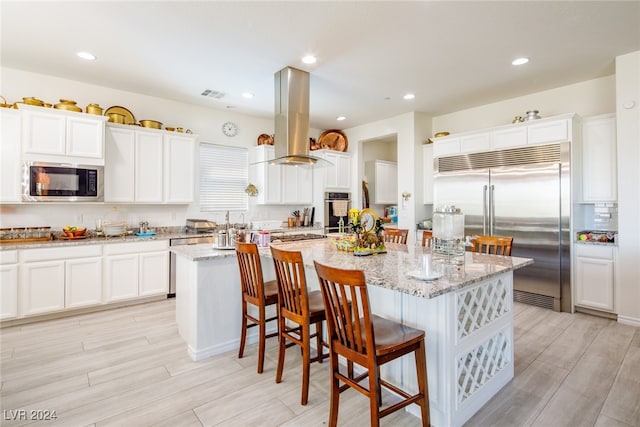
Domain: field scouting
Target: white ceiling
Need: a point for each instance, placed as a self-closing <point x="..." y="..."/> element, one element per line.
<point x="453" y="55"/>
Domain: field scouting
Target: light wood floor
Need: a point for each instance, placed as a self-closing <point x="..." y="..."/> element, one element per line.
<point x="129" y="367"/>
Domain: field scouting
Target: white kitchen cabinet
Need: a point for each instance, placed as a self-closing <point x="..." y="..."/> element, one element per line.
<point x="10" y="164"/>
<point x="476" y="142"/>
<point x="536" y="132"/>
<point x="134" y="166"/>
<point x="8" y="284"/>
<point x="427" y="165"/>
<point x="599" y="159"/>
<point x="134" y="270"/>
<point x="41" y="287"/>
<point x="595" y="278"/>
<point x="297" y="185"/>
<point x="62" y="136"/>
<point x="179" y="166"/>
<point x="279" y="184"/>
<point x="153" y="278"/>
<point x="267" y="178"/>
<point x="338" y="176"/>
<point x="53" y="279"/>
<point x="83" y="282"/>
<point x="382" y="178"/>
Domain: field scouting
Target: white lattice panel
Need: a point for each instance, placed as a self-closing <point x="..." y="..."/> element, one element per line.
<point x="481" y="305"/>
<point x="481" y="364"/>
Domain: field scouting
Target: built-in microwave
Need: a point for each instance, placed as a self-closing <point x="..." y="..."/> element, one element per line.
<point x="59" y="182"/>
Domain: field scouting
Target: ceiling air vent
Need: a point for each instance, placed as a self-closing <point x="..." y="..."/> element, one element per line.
<point x="213" y="94"/>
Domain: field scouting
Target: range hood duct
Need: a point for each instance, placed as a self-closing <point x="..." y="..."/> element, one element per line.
<point x="292" y="119"/>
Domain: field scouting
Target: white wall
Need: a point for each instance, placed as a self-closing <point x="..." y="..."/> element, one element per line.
<point x="205" y="122"/>
<point x="628" y="139"/>
<point x="586" y="98"/>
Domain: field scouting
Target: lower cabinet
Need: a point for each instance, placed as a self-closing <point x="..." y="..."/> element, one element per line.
<point x="595" y="278"/>
<point x="53" y="279"/>
<point x="8" y="284"/>
<point x="134" y="270"/>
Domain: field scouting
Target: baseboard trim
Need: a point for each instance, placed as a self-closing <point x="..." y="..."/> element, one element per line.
<point x="633" y="321"/>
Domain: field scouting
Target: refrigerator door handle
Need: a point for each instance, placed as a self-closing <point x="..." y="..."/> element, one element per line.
<point x="485" y="214"/>
<point x="492" y="210"/>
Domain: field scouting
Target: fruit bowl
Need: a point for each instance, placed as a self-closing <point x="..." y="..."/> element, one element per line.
<point x="74" y="232"/>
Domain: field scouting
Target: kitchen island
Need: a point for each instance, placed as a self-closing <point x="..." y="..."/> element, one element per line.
<point x="468" y="318"/>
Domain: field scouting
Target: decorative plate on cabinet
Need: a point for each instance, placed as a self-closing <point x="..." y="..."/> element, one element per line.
<point x="333" y="140"/>
<point x="129" y="119"/>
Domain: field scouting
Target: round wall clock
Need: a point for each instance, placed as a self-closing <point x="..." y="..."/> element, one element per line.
<point x="229" y="129"/>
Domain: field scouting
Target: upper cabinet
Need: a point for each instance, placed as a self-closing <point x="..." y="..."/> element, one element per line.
<point x="382" y="178"/>
<point x="148" y="166"/>
<point x="278" y="185"/>
<point x="10" y="165"/>
<point x="599" y="165"/>
<point x="337" y="176"/>
<point x="535" y="132"/>
<point x="62" y="136"/>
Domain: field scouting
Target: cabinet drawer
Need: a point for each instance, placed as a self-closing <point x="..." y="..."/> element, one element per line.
<point x="135" y="247"/>
<point x="8" y="257"/>
<point x="594" y="251"/>
<point x="46" y="254"/>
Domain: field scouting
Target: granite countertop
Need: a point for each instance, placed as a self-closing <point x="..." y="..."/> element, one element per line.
<point x="387" y="270"/>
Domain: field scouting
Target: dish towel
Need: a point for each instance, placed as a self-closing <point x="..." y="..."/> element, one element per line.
<point x="340" y="207"/>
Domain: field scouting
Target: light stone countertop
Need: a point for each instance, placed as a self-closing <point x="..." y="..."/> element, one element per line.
<point x="387" y="270"/>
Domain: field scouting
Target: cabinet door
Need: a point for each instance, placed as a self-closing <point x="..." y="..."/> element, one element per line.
<point x="475" y="143"/>
<point x="120" y="277"/>
<point x="41" y="287"/>
<point x="8" y="291"/>
<point x="386" y="183"/>
<point x="548" y="132"/>
<point x="179" y="169"/>
<point x="338" y="176"/>
<point x="148" y="169"/>
<point x="427" y="165"/>
<point x="599" y="164"/>
<point x="446" y="147"/>
<point x="85" y="137"/>
<point x="297" y="185"/>
<point x="10" y="165"/>
<point x="43" y="133"/>
<point x="83" y="282"/>
<point x="119" y="165"/>
<point x="153" y="273"/>
<point x="506" y="138"/>
<point x="268" y="177"/>
<point x="594" y="283"/>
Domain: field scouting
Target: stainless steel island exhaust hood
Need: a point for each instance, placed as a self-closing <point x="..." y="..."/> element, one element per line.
<point x="292" y="120"/>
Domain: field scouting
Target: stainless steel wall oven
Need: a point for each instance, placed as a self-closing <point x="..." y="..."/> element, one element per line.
<point x="333" y="200"/>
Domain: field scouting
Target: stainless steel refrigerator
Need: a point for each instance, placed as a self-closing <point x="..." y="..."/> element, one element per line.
<point x="524" y="193"/>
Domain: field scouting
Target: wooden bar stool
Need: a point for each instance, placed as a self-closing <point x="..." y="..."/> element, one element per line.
<point x="497" y="245"/>
<point x="369" y="341"/>
<point x="257" y="292"/>
<point x="300" y="307"/>
<point x="427" y="238"/>
<point x="396" y="235"/>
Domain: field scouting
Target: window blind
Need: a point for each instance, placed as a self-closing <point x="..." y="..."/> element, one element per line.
<point x="224" y="174"/>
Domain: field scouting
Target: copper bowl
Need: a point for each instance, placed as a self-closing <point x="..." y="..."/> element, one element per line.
<point x="151" y="124"/>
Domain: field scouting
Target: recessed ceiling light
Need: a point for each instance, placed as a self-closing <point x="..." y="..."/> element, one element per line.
<point x="409" y="96"/>
<point x="247" y="95"/>
<point x="341" y="118"/>
<point x="520" y="61"/>
<point x="309" y="59"/>
<point x="86" y="55"/>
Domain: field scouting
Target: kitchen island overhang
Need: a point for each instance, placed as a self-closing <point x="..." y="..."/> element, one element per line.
<point x="468" y="321"/>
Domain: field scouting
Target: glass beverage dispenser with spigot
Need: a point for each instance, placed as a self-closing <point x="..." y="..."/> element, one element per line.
<point x="448" y="240"/>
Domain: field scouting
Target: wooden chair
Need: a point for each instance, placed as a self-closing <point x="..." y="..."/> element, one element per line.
<point x="300" y="307"/>
<point x="396" y="235"/>
<point x="369" y="341"/>
<point x="497" y="245"/>
<point x="427" y="238"/>
<point x="257" y="292"/>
